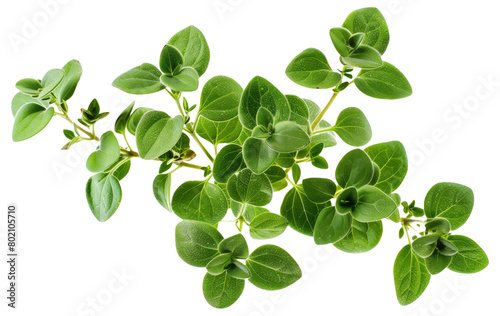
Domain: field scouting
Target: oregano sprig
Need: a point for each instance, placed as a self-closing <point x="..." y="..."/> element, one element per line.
<point x="259" y="138"/>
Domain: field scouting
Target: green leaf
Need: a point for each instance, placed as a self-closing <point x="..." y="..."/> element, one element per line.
<point x="373" y="205"/>
<point x="201" y="201"/>
<point x="275" y="174"/>
<point x="393" y="163"/>
<point x="409" y="276"/>
<point x="21" y="99"/>
<point x="331" y="226"/>
<point x="186" y="80"/>
<point x="385" y="82"/>
<point x="346" y="200"/>
<point x="311" y="70"/>
<point x="438" y="225"/>
<point x="437" y="262"/>
<point x="353" y="127"/>
<point x="219" y="264"/>
<point x="161" y="190"/>
<point x="361" y="238"/>
<point x="222" y="290"/>
<point x="220" y="132"/>
<point x="238" y="270"/>
<point x="301" y="212"/>
<point x="340" y="39"/>
<point x="171" y="60"/>
<point x="364" y="57"/>
<point x="192" y="44"/>
<point x="272" y="268"/>
<point x="299" y="111"/>
<point x="220" y="99"/>
<point x="121" y="121"/>
<point x="296" y="172"/>
<point x="451" y="201"/>
<point x="50" y="81"/>
<point x="354" y="169"/>
<point x="107" y="154"/>
<point x="470" y="258"/>
<point x="66" y="88"/>
<point x="103" y="195"/>
<point x="227" y="162"/>
<point x="134" y="119"/>
<point x="157" y="133"/>
<point x="355" y="40"/>
<point x="371" y="22"/>
<point x="264" y="118"/>
<point x="197" y="242"/>
<point x="143" y="79"/>
<point x="29" y="86"/>
<point x="30" y="120"/>
<point x="69" y="134"/>
<point x="261" y="93"/>
<point x="248" y="187"/>
<point x="122" y="171"/>
<point x="258" y="155"/>
<point x="267" y="225"/>
<point x="288" y="137"/>
<point x="319" y="162"/>
<point x="236" y="245"/>
<point x="249" y="212"/>
<point x="319" y="190"/>
<point x="424" y="246"/>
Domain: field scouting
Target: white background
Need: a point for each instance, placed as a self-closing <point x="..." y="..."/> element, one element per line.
<point x="447" y="50"/>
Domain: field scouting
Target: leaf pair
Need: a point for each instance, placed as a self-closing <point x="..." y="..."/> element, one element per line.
<point x="182" y="61"/>
<point x="268" y="267"/>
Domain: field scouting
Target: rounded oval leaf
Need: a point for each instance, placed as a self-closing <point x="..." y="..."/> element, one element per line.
<point x="186" y="80"/>
<point x="222" y="290"/>
<point x="66" y="88"/>
<point x="261" y="93"/>
<point x="319" y="190"/>
<point x="197" y="242"/>
<point x="192" y="44"/>
<point x="220" y="99"/>
<point x="121" y="121"/>
<point x="267" y="225"/>
<point x="288" y="137"/>
<point x="200" y="201"/>
<point x="104" y="195"/>
<point x="30" y="120"/>
<point x="161" y="190"/>
<point x="311" y="70"/>
<point x="452" y="201"/>
<point x="171" y="60"/>
<point x="362" y="237"/>
<point x="354" y="169"/>
<point x="250" y="188"/>
<point x="227" y="162"/>
<point x="272" y="268"/>
<point x="393" y="162"/>
<point x="107" y="154"/>
<point x="50" y="81"/>
<point x="143" y="79"/>
<point x="157" y="133"/>
<point x="353" y="127"/>
<point x="373" y="205"/>
<point x="258" y="155"/>
<point x="134" y="119"/>
<point x="331" y="226"/>
<point x="410" y="276"/>
<point x="385" y="82"/>
<point x="470" y="258"/>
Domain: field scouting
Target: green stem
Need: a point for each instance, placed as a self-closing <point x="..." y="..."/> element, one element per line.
<point x="197" y="140"/>
<point x="189" y="165"/>
<point x="322" y="113"/>
<point x="126" y="141"/>
<point x="89" y="134"/>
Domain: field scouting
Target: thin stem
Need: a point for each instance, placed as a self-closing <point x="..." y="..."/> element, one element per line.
<point x="407" y="234"/>
<point x="197" y="140"/>
<point x="322" y="113"/>
<point x="67" y="118"/>
<point x="189" y="165"/>
<point x="126" y="141"/>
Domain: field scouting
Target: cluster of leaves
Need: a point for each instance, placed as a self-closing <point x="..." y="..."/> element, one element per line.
<point x="266" y="136"/>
